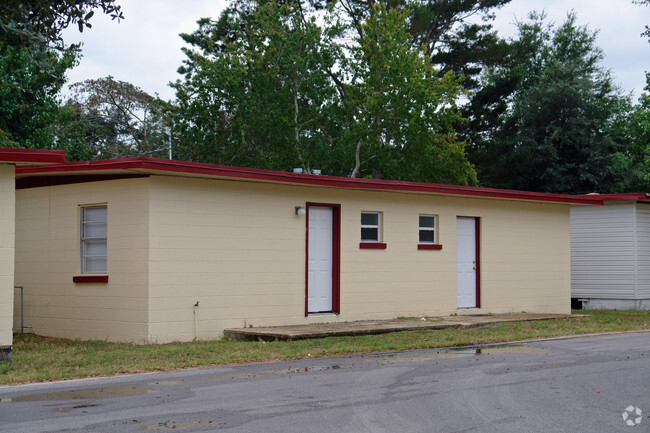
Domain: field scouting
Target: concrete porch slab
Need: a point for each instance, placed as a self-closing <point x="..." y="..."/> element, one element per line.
<point x="366" y="327"/>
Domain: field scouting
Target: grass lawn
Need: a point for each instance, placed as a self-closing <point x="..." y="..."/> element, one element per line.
<point x="38" y="359"/>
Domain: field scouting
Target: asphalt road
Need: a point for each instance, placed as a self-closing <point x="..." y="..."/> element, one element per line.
<point x="572" y="385"/>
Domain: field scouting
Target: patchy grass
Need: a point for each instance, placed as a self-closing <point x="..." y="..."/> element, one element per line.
<point x="38" y="359"/>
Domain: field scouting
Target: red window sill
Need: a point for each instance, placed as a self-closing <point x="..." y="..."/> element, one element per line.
<point x="90" y="279"/>
<point x="429" y="246"/>
<point x="372" y="246"/>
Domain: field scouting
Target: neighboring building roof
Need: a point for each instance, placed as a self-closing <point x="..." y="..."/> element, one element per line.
<point x="626" y="196"/>
<point x="135" y="167"/>
<point x="31" y="156"/>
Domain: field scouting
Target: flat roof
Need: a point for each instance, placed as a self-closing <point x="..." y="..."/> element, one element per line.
<point x="31" y="156"/>
<point x="626" y="196"/>
<point x="131" y="167"/>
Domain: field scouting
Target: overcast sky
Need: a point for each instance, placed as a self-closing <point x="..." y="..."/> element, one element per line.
<point x="144" y="48"/>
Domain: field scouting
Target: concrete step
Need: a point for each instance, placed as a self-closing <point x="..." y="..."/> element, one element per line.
<point x="367" y="327"/>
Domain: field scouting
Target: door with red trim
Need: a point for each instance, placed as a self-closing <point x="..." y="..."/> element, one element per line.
<point x="467" y="262"/>
<point x="320" y="265"/>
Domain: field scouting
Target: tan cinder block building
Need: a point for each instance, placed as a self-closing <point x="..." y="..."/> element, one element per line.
<point x="149" y="250"/>
<point x="9" y="159"/>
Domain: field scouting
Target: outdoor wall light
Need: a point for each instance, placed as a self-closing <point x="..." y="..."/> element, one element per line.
<point x="300" y="211"/>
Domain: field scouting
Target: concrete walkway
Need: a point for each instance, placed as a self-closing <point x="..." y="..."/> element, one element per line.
<point x="365" y="327"/>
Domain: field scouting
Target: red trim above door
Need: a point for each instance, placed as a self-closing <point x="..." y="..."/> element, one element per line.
<point x="336" y="256"/>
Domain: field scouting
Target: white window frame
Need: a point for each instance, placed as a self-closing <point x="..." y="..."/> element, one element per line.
<point x="372" y="226"/>
<point x="428" y="229"/>
<point x="83" y="239"/>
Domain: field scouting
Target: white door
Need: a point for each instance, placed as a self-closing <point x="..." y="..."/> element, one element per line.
<point x="319" y="275"/>
<point x="466" y="261"/>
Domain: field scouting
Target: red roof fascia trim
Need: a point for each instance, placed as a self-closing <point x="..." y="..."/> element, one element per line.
<point x="32" y="156"/>
<point x="626" y="196"/>
<point x="306" y="179"/>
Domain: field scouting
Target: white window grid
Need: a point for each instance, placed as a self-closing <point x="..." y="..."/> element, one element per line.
<point x="428" y="229"/>
<point x="88" y="239"/>
<point x="371" y="226"/>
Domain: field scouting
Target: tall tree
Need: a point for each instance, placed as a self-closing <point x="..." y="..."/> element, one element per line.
<point x="457" y="35"/>
<point x="273" y="88"/>
<point x="28" y="95"/>
<point x="643" y="116"/>
<point x="637" y="128"/>
<point x="118" y="119"/>
<point x="257" y="89"/>
<point x="553" y="133"/>
<point x="33" y="63"/>
<point x="399" y="113"/>
<point x="40" y="23"/>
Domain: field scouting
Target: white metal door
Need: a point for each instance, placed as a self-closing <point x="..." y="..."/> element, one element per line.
<point x="466" y="261"/>
<point x="319" y="282"/>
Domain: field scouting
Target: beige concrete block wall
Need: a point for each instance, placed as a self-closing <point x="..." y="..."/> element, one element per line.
<point x="7" y="230"/>
<point x="239" y="250"/>
<point x="233" y="246"/>
<point x="525" y="258"/>
<point x="47" y="258"/>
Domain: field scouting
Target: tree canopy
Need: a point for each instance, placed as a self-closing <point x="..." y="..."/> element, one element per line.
<point x="553" y="133"/>
<point x="28" y="23"/>
<point x="268" y="85"/>
<point x="28" y="96"/>
<point x="117" y="119"/>
<point x="33" y="64"/>
<point x="637" y="128"/>
<point x="401" y="89"/>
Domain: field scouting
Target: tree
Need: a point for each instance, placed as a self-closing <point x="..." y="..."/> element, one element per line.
<point x="272" y="88"/>
<point x="458" y="37"/>
<point x="118" y="119"/>
<point x="647" y="28"/>
<point x="553" y="134"/>
<point x="455" y="34"/>
<point x="399" y="113"/>
<point x="255" y="99"/>
<point x="33" y="63"/>
<point x="637" y="128"/>
<point x="641" y="120"/>
<point x="39" y="24"/>
<point x="28" y="103"/>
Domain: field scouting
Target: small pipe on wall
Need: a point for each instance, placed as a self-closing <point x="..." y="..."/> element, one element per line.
<point x="22" y="315"/>
<point x="196" y="321"/>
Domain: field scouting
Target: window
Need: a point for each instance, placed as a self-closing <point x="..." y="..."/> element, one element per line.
<point x="370" y="226"/>
<point x="428" y="238"/>
<point x="93" y="239"/>
<point x="427" y="229"/>
<point x="371" y="231"/>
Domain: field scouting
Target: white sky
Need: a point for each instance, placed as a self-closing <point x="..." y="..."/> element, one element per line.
<point x="144" y="48"/>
